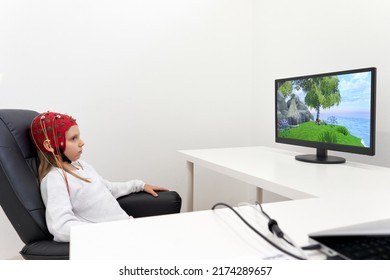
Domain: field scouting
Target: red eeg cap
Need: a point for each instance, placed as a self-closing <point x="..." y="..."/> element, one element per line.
<point x="45" y="125"/>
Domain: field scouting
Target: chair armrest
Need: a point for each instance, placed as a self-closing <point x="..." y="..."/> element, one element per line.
<point x="142" y="204"/>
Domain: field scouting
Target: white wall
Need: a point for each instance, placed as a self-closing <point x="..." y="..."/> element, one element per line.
<point x="293" y="38"/>
<point x="300" y="37"/>
<point x="143" y="78"/>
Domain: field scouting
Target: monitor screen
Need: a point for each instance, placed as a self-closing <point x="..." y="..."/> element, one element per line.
<point x="329" y="111"/>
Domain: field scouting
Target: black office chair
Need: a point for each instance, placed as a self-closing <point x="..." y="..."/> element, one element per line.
<point x="20" y="195"/>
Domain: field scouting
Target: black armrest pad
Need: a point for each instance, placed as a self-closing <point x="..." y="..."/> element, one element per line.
<point x="143" y="204"/>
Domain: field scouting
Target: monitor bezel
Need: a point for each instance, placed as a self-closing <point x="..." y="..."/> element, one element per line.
<point x="328" y="146"/>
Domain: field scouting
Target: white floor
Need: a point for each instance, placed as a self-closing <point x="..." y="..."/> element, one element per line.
<point x="19" y="257"/>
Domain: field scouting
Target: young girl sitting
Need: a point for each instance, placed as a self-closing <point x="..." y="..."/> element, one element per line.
<point x="72" y="191"/>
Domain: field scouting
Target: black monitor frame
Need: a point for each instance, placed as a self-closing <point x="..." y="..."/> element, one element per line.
<point x="322" y="148"/>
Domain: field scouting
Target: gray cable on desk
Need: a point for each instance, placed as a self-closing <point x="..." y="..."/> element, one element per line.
<point x="274" y="228"/>
<point x="281" y="234"/>
<point x="259" y="233"/>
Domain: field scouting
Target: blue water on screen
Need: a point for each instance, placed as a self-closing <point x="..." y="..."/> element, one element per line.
<point x="358" y="126"/>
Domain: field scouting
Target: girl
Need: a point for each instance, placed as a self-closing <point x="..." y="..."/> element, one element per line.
<point x="72" y="191"/>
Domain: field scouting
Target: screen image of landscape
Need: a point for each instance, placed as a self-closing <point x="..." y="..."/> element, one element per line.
<point x="332" y="109"/>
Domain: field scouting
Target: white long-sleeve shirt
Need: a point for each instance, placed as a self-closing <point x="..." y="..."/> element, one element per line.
<point x="85" y="203"/>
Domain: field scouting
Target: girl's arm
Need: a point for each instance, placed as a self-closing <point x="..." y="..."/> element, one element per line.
<point x="132" y="186"/>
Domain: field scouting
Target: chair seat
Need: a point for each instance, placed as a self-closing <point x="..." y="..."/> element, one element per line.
<point x="46" y="250"/>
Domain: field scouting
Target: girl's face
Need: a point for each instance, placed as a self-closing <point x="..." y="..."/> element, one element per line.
<point x="74" y="144"/>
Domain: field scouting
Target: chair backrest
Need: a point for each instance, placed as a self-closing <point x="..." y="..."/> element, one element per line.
<point x="20" y="196"/>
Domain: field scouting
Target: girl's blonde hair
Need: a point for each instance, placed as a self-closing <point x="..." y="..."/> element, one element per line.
<point x="47" y="162"/>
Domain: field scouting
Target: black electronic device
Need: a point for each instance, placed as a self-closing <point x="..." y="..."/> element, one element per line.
<point x="364" y="241"/>
<point x="329" y="111"/>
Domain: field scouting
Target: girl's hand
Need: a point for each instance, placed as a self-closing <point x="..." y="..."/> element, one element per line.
<point x="152" y="189"/>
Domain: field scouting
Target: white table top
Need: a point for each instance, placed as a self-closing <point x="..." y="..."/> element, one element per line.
<point x="203" y="235"/>
<point x="324" y="196"/>
<point x="277" y="171"/>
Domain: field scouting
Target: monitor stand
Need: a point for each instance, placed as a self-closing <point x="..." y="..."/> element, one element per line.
<point x="320" y="157"/>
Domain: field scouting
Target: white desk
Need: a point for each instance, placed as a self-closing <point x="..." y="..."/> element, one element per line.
<point x="208" y="235"/>
<point x="201" y="235"/>
<point x="278" y="171"/>
<point x="323" y="196"/>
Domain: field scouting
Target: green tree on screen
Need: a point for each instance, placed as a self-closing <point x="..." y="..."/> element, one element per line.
<point x="286" y="88"/>
<point x="320" y="92"/>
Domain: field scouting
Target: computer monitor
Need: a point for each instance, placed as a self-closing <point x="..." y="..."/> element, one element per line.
<point x="329" y="111"/>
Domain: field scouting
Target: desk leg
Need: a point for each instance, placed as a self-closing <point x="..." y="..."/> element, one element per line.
<point x="259" y="195"/>
<point x="190" y="186"/>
